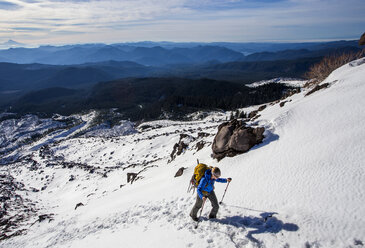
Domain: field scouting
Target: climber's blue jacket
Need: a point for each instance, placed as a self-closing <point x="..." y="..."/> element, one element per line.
<point x="206" y="184"/>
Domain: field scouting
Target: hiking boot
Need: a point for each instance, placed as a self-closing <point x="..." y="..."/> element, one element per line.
<point x="194" y="218"/>
<point x="212" y="216"/>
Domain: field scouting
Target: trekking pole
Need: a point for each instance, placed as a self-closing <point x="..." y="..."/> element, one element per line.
<point x="201" y="210"/>
<point x="189" y="187"/>
<point x="224" y="192"/>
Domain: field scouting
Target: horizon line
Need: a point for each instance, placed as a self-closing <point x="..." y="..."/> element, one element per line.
<point x="30" y="45"/>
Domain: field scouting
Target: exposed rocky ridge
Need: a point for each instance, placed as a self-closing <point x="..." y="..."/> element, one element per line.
<point x="183" y="143"/>
<point x="317" y="87"/>
<point x="15" y="210"/>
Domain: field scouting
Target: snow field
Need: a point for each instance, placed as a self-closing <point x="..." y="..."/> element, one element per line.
<point x="302" y="187"/>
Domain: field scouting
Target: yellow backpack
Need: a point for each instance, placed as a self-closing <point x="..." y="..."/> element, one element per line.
<point x="199" y="172"/>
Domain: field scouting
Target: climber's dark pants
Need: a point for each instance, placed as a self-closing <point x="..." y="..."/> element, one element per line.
<point x="199" y="202"/>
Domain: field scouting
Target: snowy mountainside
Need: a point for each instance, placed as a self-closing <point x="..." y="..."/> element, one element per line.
<point x="286" y="81"/>
<point x="302" y="187"/>
<point x="14" y="133"/>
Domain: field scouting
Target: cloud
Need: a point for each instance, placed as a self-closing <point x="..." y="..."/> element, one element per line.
<point x="198" y="20"/>
<point x="28" y="29"/>
<point x="65" y="32"/>
<point x="4" y="5"/>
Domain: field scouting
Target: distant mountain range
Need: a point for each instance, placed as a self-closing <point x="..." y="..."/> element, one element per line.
<point x="161" y="54"/>
<point x="10" y="44"/>
<point x="50" y="77"/>
<point x="155" y="56"/>
<point x="248" y="47"/>
<point x="21" y="78"/>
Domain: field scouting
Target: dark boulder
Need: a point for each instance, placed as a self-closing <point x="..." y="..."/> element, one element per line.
<point x="131" y="177"/>
<point x="44" y="217"/>
<point x="235" y="138"/>
<point x="200" y="145"/>
<point x="79" y="205"/>
<point x="180" y="172"/>
<point x="283" y="103"/>
<point x="262" y="107"/>
<point x="252" y="114"/>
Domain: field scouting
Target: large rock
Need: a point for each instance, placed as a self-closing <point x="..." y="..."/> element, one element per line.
<point x="362" y="40"/>
<point x="235" y="138"/>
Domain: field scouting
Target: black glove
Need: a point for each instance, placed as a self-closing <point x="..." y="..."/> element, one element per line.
<point x="229" y="179"/>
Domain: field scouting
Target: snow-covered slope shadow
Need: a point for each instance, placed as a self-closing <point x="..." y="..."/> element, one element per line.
<point x="269" y="138"/>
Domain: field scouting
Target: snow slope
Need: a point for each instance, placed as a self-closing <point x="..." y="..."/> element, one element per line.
<point x="286" y="81"/>
<point x="304" y="186"/>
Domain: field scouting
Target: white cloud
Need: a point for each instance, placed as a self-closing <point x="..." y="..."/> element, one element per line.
<point x="198" y="20"/>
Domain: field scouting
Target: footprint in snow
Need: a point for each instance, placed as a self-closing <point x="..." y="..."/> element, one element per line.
<point x="232" y="227"/>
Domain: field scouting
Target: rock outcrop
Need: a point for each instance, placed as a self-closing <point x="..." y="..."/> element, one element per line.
<point x="179" y="172"/>
<point x="235" y="138"/>
<point x="79" y="205"/>
<point x="15" y="210"/>
<point x="180" y="147"/>
<point x="317" y="87"/>
<point x="131" y="177"/>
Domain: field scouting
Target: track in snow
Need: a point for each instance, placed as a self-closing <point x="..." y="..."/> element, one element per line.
<point x="236" y="226"/>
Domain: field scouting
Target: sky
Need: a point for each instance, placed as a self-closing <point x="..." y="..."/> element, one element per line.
<point x="111" y="21"/>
